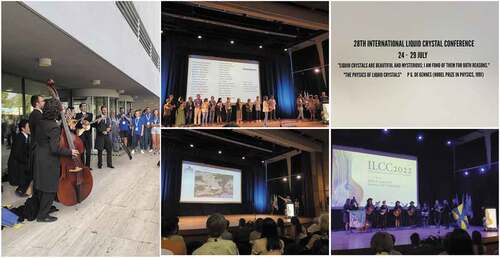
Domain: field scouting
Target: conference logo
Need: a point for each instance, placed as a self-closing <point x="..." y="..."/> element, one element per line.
<point x="388" y="168"/>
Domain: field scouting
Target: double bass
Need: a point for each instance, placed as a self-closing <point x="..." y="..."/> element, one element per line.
<point x="75" y="180"/>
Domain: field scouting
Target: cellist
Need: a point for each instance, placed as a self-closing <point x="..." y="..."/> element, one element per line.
<point x="46" y="166"/>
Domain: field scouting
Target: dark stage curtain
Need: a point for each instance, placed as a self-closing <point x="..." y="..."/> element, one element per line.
<point x="275" y="69"/>
<point x="253" y="187"/>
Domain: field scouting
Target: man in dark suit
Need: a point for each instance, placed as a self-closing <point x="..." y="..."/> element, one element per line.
<point x="87" y="135"/>
<point x="103" y="138"/>
<point x="46" y="156"/>
<point x="38" y="103"/>
<point x="18" y="160"/>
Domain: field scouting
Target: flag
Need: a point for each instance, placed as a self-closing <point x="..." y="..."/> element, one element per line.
<point x="460" y="216"/>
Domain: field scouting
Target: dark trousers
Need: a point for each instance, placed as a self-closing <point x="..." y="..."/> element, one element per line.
<point x="87" y="141"/>
<point x="108" y="147"/>
<point x="189" y="117"/>
<point x="228" y="115"/>
<point x="45" y="200"/>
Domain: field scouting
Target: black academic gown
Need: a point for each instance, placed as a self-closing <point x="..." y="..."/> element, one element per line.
<point x="46" y="155"/>
<point x="17" y="165"/>
<point x="34" y="122"/>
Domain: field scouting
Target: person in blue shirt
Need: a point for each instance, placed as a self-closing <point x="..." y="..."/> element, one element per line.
<point x="147" y="122"/>
<point x="138" y="131"/>
<point x="124" y="126"/>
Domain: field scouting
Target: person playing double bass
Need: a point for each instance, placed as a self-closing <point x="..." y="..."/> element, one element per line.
<point x="46" y="164"/>
<point x="86" y="135"/>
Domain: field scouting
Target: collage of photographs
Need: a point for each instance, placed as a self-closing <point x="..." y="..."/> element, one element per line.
<point x="155" y="128"/>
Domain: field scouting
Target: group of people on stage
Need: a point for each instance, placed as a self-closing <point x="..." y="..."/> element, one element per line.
<point x="259" y="237"/>
<point x="36" y="149"/>
<point x="200" y="111"/>
<point x="311" y="105"/>
<point x="377" y="214"/>
<point x="210" y="112"/>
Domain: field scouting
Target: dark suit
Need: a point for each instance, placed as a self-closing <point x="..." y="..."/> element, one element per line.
<point x="34" y="122"/>
<point x="46" y="166"/>
<point x="18" y="163"/>
<point x="86" y="137"/>
<point x="103" y="141"/>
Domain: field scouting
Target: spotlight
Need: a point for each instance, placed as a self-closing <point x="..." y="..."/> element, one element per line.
<point x="420" y="137"/>
<point x="386" y="131"/>
<point x="316" y="70"/>
<point x="448" y="142"/>
<point x="482" y="170"/>
<point x="286" y="49"/>
<point x="191" y="145"/>
<point x="200" y="37"/>
<point x="466" y="173"/>
<point x="299" y="177"/>
<point x="262" y="162"/>
<point x="260" y="46"/>
<point x="220" y="152"/>
<point x="232" y="41"/>
<point x="243" y="157"/>
<point x="285" y="179"/>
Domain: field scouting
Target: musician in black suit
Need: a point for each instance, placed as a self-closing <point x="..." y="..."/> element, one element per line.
<point x="18" y="160"/>
<point x="46" y="165"/>
<point x="412" y="213"/>
<point x="37" y="102"/>
<point x="382" y="223"/>
<point x="87" y="135"/>
<point x="103" y="138"/>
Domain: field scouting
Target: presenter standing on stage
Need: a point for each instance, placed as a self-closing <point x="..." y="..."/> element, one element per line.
<point x="288" y="209"/>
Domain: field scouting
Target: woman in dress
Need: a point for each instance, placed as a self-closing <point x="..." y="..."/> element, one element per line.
<point x="218" y="111"/>
<point x="156" y="131"/>
<point x="180" y="119"/>
<point x="239" y="111"/>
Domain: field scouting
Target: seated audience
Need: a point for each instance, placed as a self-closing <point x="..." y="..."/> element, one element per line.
<point x="478" y="248"/>
<point x="215" y="245"/>
<point x="382" y="243"/>
<point x="281" y="227"/>
<point x="270" y="243"/>
<point x="459" y="243"/>
<point x="321" y="234"/>
<point x="227" y="235"/>
<point x="171" y="240"/>
<point x="257" y="231"/>
<point x="297" y="231"/>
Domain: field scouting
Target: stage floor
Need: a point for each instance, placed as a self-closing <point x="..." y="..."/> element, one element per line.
<point x="119" y="218"/>
<point x="342" y="240"/>
<point x="199" y="222"/>
<point x="274" y="123"/>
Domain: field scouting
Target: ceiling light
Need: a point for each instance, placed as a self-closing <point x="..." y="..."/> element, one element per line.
<point x="200" y="37"/>
<point x="191" y="145"/>
<point x="220" y="152"/>
<point x="286" y="49"/>
<point x="299" y="177"/>
<point x="232" y="41"/>
<point x="243" y="157"/>
<point x="121" y="91"/>
<point x="44" y="62"/>
<point x="285" y="179"/>
<point x="260" y="46"/>
<point x="96" y="82"/>
<point x="316" y="70"/>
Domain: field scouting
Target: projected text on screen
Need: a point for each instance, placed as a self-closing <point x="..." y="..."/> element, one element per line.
<point x="222" y="78"/>
<point x="368" y="174"/>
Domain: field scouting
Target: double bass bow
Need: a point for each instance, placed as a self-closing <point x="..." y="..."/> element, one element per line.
<point x="75" y="181"/>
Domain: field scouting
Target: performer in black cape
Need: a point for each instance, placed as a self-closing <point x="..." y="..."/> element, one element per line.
<point x="103" y="138"/>
<point x="86" y="136"/>
<point x="46" y="165"/>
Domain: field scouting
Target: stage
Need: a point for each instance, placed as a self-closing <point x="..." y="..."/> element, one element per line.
<point x="342" y="240"/>
<point x="271" y="123"/>
<point x="189" y="223"/>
